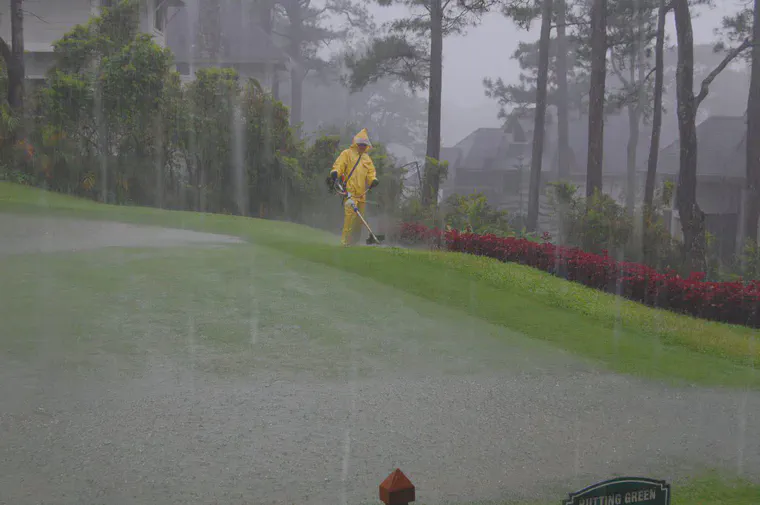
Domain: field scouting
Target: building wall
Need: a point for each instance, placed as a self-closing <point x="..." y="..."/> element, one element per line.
<point x="48" y="20"/>
<point x="154" y="22"/>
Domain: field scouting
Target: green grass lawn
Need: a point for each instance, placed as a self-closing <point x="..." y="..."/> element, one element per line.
<point x="272" y="302"/>
<point x="237" y="309"/>
<point x="617" y="334"/>
<point x="715" y="490"/>
<point x="711" y="489"/>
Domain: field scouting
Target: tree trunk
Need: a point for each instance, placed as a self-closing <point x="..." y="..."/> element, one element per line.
<point x="276" y="84"/>
<point x="638" y="76"/>
<point x="102" y="143"/>
<point x="633" y="143"/>
<point x="540" y="117"/>
<point x="296" y="95"/>
<point x="596" y="97"/>
<point x="654" y="145"/>
<point x="565" y="157"/>
<point x="210" y="31"/>
<point x="752" y="196"/>
<point x="16" y="69"/>
<point x="432" y="180"/>
<point x="692" y="217"/>
<point x="160" y="164"/>
<point x="266" y="19"/>
<point x="297" y="73"/>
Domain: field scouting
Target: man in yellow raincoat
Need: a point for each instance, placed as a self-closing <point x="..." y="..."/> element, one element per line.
<point x="357" y="171"/>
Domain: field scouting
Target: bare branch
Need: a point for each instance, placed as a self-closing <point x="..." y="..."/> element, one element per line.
<point x="35" y="16"/>
<point x="649" y="74"/>
<point x="635" y="89"/>
<point x="705" y="89"/>
<point x="571" y="23"/>
<point x="619" y="74"/>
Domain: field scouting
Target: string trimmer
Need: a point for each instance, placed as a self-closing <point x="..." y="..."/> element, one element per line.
<point x="349" y="200"/>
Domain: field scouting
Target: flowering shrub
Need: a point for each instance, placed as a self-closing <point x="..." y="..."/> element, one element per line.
<point x="414" y="234"/>
<point x="735" y="302"/>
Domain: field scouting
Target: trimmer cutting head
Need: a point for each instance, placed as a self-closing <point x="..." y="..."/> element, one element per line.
<point x="375" y="239"/>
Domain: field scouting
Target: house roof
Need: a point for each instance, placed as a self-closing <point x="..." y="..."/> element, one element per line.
<point x="616" y="133"/>
<point x="721" y="153"/>
<point x="451" y="155"/>
<point x="243" y="40"/>
<point x="489" y="149"/>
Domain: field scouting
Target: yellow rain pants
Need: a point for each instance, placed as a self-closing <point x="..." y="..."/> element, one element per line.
<point x="352" y="225"/>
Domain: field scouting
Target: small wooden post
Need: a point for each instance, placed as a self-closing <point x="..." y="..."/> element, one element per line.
<point x="397" y="489"/>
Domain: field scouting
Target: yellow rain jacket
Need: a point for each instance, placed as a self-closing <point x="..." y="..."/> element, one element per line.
<point x="364" y="173"/>
<point x="357" y="185"/>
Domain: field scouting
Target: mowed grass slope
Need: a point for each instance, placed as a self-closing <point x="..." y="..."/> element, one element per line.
<point x="617" y="334"/>
<point x="711" y="489"/>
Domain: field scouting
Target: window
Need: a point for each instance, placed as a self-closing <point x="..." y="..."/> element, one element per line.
<point x="159" y="18"/>
<point x="106" y="3"/>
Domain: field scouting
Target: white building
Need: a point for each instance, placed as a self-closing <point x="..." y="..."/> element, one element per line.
<point x="46" y="21"/>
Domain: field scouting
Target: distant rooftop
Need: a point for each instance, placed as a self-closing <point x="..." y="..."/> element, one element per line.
<point x="720" y="148"/>
<point x="490" y="149"/>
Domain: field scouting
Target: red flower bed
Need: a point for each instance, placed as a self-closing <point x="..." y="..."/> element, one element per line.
<point x="413" y="234"/>
<point x="731" y="302"/>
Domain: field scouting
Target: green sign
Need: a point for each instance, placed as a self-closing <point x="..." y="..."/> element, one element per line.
<point x="623" y="491"/>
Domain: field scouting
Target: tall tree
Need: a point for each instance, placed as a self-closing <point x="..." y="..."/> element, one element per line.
<point x="210" y="40"/>
<point x="432" y="180"/>
<point x="752" y="199"/>
<point x="659" y="78"/>
<point x="746" y="25"/>
<point x="567" y="88"/>
<point x="596" y="97"/>
<point x="564" y="153"/>
<point x="692" y="217"/>
<point x="263" y="11"/>
<point x="13" y="56"/>
<point x="540" y="116"/>
<point x="309" y="28"/>
<point x="522" y="95"/>
<point x="412" y="50"/>
<point x="632" y="28"/>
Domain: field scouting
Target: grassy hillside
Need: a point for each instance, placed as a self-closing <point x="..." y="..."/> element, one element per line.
<point x="620" y="335"/>
<point x="292" y="302"/>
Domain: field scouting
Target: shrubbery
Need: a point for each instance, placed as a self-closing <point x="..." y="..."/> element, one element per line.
<point x="473" y="213"/>
<point x="598" y="223"/>
<point x="731" y="302"/>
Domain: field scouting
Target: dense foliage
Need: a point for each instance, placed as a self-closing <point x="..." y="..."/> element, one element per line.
<point x="114" y="122"/>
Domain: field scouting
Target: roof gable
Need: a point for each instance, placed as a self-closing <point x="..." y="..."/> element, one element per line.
<point x="720" y="148"/>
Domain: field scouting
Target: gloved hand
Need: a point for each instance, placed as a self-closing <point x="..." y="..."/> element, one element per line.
<point x="374" y="184"/>
<point x="331" y="180"/>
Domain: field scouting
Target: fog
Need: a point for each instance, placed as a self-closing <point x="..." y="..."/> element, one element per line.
<point x="189" y="314"/>
<point x="486" y="51"/>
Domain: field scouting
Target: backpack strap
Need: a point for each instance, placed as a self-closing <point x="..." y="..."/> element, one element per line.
<point x="352" y="170"/>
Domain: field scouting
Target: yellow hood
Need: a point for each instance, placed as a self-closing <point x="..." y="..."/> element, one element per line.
<point x="362" y="135"/>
